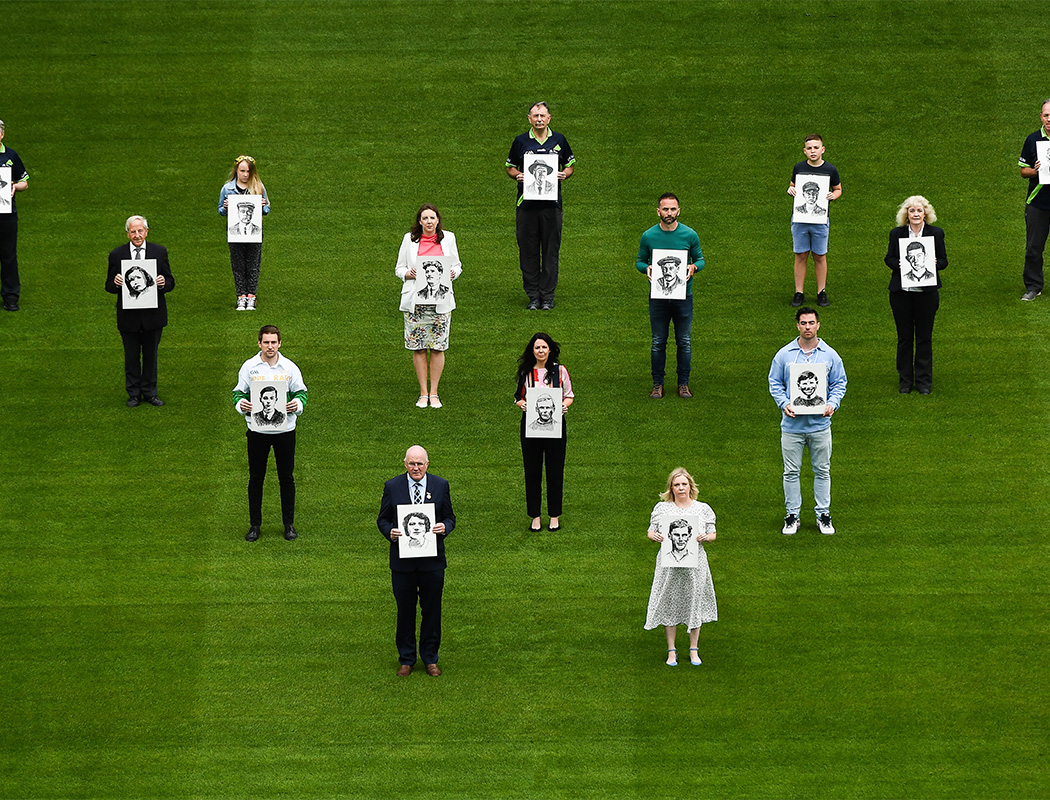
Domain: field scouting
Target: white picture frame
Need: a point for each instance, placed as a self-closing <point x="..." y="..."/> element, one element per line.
<point x="139" y="291"/>
<point x="268" y="415"/>
<point x="679" y="549"/>
<point x="433" y="282"/>
<point x="6" y="203"/>
<point x="918" y="262"/>
<point x="1042" y="155"/>
<point x="807" y="397"/>
<point x="805" y="207"/>
<point x="416" y="523"/>
<point x="669" y="283"/>
<point x="244" y="218"/>
<point x="543" y="412"/>
<point x="534" y="187"/>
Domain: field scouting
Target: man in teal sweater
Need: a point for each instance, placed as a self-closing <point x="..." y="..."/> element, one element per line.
<point x="671" y="235"/>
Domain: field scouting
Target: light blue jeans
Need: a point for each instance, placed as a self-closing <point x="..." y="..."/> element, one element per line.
<point x="792" y="445"/>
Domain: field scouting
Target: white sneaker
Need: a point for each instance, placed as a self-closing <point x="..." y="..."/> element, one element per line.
<point x="251" y="303"/>
<point x="824" y="524"/>
<point x="242" y="303"/>
<point x="790" y="525"/>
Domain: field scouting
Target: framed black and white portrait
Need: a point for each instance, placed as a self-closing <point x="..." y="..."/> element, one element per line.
<point x="810" y="202"/>
<point x="918" y="262"/>
<point x="1042" y="155"/>
<point x="269" y="401"/>
<point x="541" y="176"/>
<point x="416" y="523"/>
<point x="140" y="283"/>
<point x="433" y="284"/>
<point x="670" y="271"/>
<point x="543" y="412"/>
<point x="679" y="547"/>
<point x="5" y="190"/>
<point x="244" y="218"/>
<point x="808" y="387"/>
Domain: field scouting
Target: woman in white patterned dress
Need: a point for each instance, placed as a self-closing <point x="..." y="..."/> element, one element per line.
<point x="682" y="595"/>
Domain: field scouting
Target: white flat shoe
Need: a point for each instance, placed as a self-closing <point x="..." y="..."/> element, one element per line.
<point x="435" y="401"/>
<point x="422" y="401"/>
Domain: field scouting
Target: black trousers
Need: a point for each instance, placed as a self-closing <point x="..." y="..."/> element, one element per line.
<point x="259" y="445"/>
<point x="539" y="242"/>
<point x="913" y="313"/>
<point x="426" y="588"/>
<point x="534" y="453"/>
<point x="10" y="286"/>
<point x="1036" y="228"/>
<point x="140" y="362"/>
<point x="245" y="261"/>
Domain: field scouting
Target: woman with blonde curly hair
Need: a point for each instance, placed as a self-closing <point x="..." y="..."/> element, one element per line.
<point x="681" y="595"/>
<point x="915" y="305"/>
<point x="245" y="257"/>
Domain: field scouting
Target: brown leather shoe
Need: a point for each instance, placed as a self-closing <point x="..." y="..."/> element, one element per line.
<point x="657" y="392"/>
<point x="433" y="671"/>
<point x="404" y="670"/>
<point x="683" y="391"/>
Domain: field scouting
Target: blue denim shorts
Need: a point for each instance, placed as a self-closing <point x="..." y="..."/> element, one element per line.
<point x="810" y="237"/>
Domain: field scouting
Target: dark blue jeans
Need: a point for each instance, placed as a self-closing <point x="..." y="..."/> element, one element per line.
<point x="661" y="314"/>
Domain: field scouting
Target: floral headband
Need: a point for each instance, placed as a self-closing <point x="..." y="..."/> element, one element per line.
<point x="239" y="159"/>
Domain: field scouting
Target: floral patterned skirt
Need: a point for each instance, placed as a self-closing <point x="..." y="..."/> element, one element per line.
<point x="425" y="329"/>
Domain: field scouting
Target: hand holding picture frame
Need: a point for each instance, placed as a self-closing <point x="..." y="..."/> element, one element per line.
<point x="810" y="202"/>
<point x="670" y="270"/>
<point x="679" y="547"/>
<point x="269" y="401"/>
<point x="1042" y="155"/>
<point x="918" y="262"/>
<point x="808" y="387"/>
<point x="139" y="290"/>
<point x="245" y="216"/>
<point x="541" y="176"/>
<point x="416" y="524"/>
<point x="543" y="412"/>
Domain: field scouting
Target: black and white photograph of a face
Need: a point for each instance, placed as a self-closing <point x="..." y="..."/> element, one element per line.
<point x="811" y="198"/>
<point x="543" y="412"/>
<point x="5" y="190"/>
<point x="1042" y="155"/>
<point x="541" y="176"/>
<point x="679" y="547"/>
<point x="269" y="401"/>
<point x="140" y="283"/>
<point x="809" y="387"/>
<point x="918" y="262"/>
<point x="416" y="523"/>
<point x="433" y="281"/>
<point x="244" y="218"/>
<point x="670" y="268"/>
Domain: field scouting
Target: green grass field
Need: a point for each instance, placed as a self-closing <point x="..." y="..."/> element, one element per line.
<point x="147" y="651"/>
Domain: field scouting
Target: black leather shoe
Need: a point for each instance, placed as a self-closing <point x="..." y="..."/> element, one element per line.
<point x="133" y="401"/>
<point x="154" y="401"/>
<point x="252" y="534"/>
<point x="290" y="532"/>
<point x="11" y="305"/>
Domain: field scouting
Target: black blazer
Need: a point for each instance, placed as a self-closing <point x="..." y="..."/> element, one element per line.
<point x="395" y="492"/>
<point x="141" y="319"/>
<point x="893" y="254"/>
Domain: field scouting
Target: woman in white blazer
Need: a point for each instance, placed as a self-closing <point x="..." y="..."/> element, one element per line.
<point x="428" y="251"/>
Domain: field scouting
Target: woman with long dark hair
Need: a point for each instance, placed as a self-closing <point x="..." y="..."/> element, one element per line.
<point x="537" y="367"/>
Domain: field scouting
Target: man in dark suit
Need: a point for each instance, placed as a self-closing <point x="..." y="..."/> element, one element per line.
<point x="140" y="328"/>
<point x="417" y="577"/>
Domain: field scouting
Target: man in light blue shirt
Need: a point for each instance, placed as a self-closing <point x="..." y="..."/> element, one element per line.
<point x="798" y="431"/>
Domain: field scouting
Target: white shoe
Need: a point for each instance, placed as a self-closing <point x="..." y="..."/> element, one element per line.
<point x="435" y="401"/>
<point x="422" y="401"/>
<point x="790" y="525"/>
<point x="824" y="524"/>
<point x="242" y="303"/>
<point x="251" y="303"/>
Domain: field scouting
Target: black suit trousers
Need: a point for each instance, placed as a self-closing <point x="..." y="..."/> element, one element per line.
<point x="140" y="361"/>
<point x="539" y="243"/>
<point x="426" y="588"/>
<point x="913" y="313"/>
<point x="10" y="286"/>
<point x="535" y="453"/>
<point x="259" y="445"/>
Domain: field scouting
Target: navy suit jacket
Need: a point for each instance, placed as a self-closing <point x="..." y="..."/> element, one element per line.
<point x="395" y="493"/>
<point x="141" y="319"/>
<point x="893" y="254"/>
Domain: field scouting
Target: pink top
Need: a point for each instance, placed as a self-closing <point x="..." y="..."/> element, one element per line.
<point x="539" y="373"/>
<point x="430" y="246"/>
